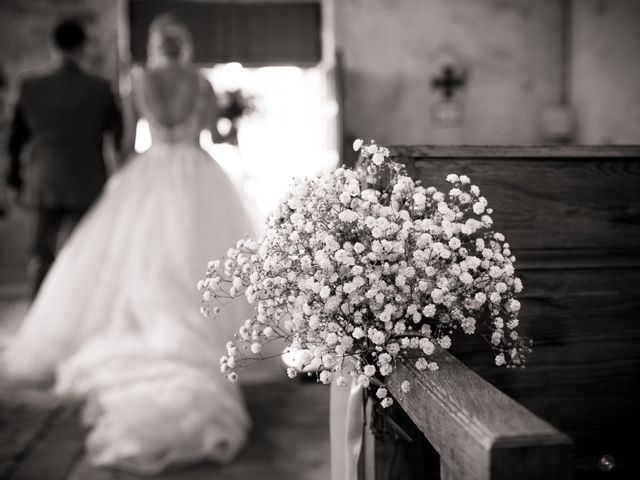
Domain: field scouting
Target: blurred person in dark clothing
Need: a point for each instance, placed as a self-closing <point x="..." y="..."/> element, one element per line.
<point x="62" y="115"/>
<point x="118" y="311"/>
<point x="4" y="84"/>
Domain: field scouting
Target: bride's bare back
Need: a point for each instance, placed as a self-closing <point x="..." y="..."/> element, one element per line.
<point x="171" y="93"/>
<point x="176" y="100"/>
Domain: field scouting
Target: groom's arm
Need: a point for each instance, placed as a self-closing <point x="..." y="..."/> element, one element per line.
<point x="114" y="123"/>
<point x="19" y="135"/>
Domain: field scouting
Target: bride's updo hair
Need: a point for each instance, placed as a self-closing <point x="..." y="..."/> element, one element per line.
<point x="169" y="39"/>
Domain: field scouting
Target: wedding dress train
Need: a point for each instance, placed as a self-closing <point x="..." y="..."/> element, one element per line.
<point x="117" y="319"/>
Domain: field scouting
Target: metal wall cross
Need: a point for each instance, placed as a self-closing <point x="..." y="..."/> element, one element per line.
<point x="449" y="81"/>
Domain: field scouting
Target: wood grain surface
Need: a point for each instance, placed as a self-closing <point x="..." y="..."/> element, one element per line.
<point x="478" y="431"/>
<point x="572" y="218"/>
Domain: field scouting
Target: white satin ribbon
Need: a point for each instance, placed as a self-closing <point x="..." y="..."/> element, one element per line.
<point x="346" y="422"/>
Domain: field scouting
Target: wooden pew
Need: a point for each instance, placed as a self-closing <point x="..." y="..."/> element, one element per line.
<point x="572" y="217"/>
<point x="478" y="432"/>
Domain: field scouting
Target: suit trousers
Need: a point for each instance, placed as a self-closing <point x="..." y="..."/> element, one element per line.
<point x="50" y="228"/>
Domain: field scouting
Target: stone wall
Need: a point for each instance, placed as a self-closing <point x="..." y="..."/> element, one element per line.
<point x="26" y="25"/>
<point x="513" y="52"/>
<point x="606" y="71"/>
<point x="392" y="49"/>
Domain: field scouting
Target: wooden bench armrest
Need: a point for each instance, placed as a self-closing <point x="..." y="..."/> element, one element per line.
<point x="478" y="431"/>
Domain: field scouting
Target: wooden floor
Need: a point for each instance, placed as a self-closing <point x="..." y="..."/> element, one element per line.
<point x="41" y="438"/>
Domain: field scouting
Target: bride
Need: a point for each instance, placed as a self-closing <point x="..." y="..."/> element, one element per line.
<point x="117" y="320"/>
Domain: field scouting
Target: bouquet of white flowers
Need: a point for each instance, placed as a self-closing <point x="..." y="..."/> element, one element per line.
<point x="359" y="265"/>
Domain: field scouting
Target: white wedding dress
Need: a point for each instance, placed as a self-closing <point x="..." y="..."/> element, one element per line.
<point x="117" y="319"/>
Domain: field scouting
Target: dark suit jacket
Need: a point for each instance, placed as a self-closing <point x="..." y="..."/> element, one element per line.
<point x="56" y="137"/>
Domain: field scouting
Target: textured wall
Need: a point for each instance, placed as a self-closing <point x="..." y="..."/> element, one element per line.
<point x="606" y="70"/>
<point x="392" y="48"/>
<point x="25" y="29"/>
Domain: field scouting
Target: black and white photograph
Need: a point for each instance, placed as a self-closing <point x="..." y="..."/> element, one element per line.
<point x="319" y="239"/>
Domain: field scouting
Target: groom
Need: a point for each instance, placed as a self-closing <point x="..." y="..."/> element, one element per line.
<point x="62" y="116"/>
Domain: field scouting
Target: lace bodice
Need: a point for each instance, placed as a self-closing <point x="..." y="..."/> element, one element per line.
<point x="187" y="130"/>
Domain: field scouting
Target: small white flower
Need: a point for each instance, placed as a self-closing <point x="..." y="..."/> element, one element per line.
<point x="326" y="377"/>
<point x="233" y="377"/>
<point x="421" y="364"/>
<point x="384" y="358"/>
<point x="328" y="360"/>
<point x="466" y="278"/>
<point x="419" y="199"/>
<point x="332" y="338"/>
<point x="386" y="402"/>
<point x="478" y="208"/>
<point x="517" y="285"/>
<point x="429" y="311"/>
<point x="381" y="392"/>
<point x="291" y="372"/>
<point x="468" y="325"/>
<point x="426" y="346"/>
<point x="377" y="158"/>
<point x="399" y="328"/>
<point x="405" y="386"/>
<point x="376" y="336"/>
<point x="376" y="232"/>
<point x="437" y="295"/>
<point x="363" y="381"/>
<point x="357" y="144"/>
<point x="445" y="342"/>
<point x="500" y="359"/>
<point x="495" y="272"/>
<point x="369" y="370"/>
<point x="514" y="305"/>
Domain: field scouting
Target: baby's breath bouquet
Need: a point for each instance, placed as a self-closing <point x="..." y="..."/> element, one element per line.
<point x="360" y="265"/>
